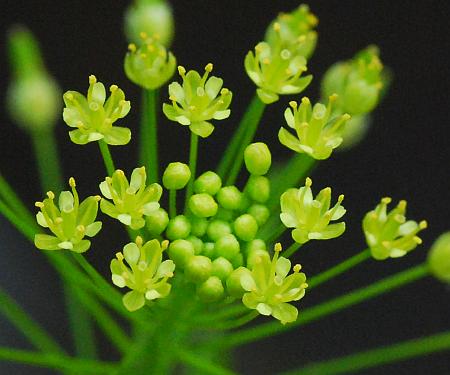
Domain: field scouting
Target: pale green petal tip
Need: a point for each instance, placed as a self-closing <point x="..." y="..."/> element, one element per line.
<point x="93" y="117"/>
<point x="388" y="234"/>
<point x="197" y="101"/>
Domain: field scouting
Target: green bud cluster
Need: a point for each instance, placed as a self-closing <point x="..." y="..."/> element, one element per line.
<point x="69" y="222"/>
<point x="389" y="234"/>
<point x="93" y="117"/>
<point x="197" y="101"/>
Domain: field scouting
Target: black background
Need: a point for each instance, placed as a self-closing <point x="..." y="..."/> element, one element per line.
<point x="406" y="155"/>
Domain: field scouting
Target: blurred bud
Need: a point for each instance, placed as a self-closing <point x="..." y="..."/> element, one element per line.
<point x="211" y="290"/>
<point x="257" y="158"/>
<point x="198" y="268"/>
<point x="439" y="258"/>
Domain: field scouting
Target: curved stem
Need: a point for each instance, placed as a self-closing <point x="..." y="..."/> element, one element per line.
<point x="107" y="158"/>
<point x="148" y="147"/>
<point x="193" y="153"/>
<point x="377" y="357"/>
<point x="291" y="250"/>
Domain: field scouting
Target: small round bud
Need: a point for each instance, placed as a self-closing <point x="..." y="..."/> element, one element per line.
<point x="197" y="243"/>
<point x="255" y="254"/>
<point x="257" y="158"/>
<point x="229" y="197"/>
<point x="227" y="246"/>
<point x="260" y="212"/>
<point x="180" y="251"/>
<point x="257" y="244"/>
<point x="234" y="287"/>
<point x="176" y="176"/>
<point x="198" y="268"/>
<point x="217" y="229"/>
<point x="210" y="290"/>
<point x="209" y="183"/>
<point x="439" y="258"/>
<point x="221" y="268"/>
<point x="258" y="188"/>
<point x="209" y="249"/>
<point x="245" y="227"/>
<point x="203" y="205"/>
<point x="179" y="227"/>
<point x="238" y="261"/>
<point x="157" y="221"/>
<point x="198" y="226"/>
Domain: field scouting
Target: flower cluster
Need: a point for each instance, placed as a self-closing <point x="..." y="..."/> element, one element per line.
<point x="199" y="100"/>
<point x="318" y="132"/>
<point x="389" y="234"/>
<point x="311" y="216"/>
<point x="146" y="274"/>
<point x="93" y="117"/>
<point x="69" y="222"/>
<point x="131" y="200"/>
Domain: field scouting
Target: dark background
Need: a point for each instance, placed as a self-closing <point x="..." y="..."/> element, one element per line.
<point x="406" y="155"/>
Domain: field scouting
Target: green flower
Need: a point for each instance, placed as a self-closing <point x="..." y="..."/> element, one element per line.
<point x="296" y="29"/>
<point x="389" y="234"/>
<point x="276" y="69"/>
<point x="358" y="82"/>
<point x="146" y="274"/>
<point x="93" y="118"/>
<point x="131" y="201"/>
<point x="197" y="101"/>
<point x="149" y="66"/>
<point x="318" y="131"/>
<point x="70" y="221"/>
<point x="311" y="217"/>
<point x="269" y="288"/>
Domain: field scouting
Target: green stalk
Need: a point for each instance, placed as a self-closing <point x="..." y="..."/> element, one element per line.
<point x="107" y="158"/>
<point x="250" y="122"/>
<point x="46" y="153"/>
<point x="291" y="250"/>
<point x="25" y="324"/>
<point x="377" y="357"/>
<point x="251" y="115"/>
<point x="57" y="362"/>
<point x="149" y="135"/>
<point x="193" y="153"/>
<point x="202" y="364"/>
<point x="172" y="203"/>
<point x="339" y="269"/>
<point x="327" y="308"/>
<point x="25" y="228"/>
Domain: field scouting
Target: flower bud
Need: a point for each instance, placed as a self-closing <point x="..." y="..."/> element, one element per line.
<point x="33" y="98"/>
<point x="197" y="243"/>
<point x="217" y="229"/>
<point x="257" y="158"/>
<point x="255" y="254"/>
<point x="439" y="258"/>
<point x="222" y="268"/>
<point x="245" y="227"/>
<point x="260" y="212"/>
<point x="179" y="227"/>
<point x="176" y="176"/>
<point x="229" y="197"/>
<point x="180" y="251"/>
<point x="198" y="268"/>
<point x="258" y="188"/>
<point x="227" y="246"/>
<point x="157" y="221"/>
<point x="211" y="290"/>
<point x="209" y="183"/>
<point x="208" y="249"/>
<point x="238" y="260"/>
<point x="198" y="226"/>
<point x="257" y="244"/>
<point x="234" y="287"/>
<point x="203" y="205"/>
<point x="152" y="17"/>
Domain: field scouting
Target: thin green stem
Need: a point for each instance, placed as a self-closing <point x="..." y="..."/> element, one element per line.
<point x="172" y="203"/>
<point x="201" y="364"/>
<point x="250" y="122"/>
<point x="57" y="362"/>
<point x="107" y="158"/>
<point x="339" y="269"/>
<point x="291" y="250"/>
<point x="46" y="153"/>
<point x="233" y="146"/>
<point x="327" y="308"/>
<point x="149" y="134"/>
<point x="236" y="322"/>
<point x="377" y="357"/>
<point x="193" y="153"/>
<point x="25" y="228"/>
<point x="25" y="324"/>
